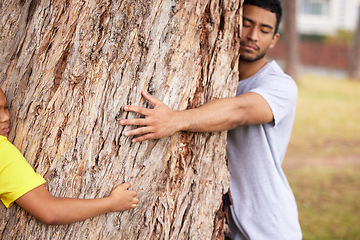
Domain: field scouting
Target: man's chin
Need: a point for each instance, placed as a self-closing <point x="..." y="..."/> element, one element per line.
<point x="250" y="59"/>
<point x="247" y="59"/>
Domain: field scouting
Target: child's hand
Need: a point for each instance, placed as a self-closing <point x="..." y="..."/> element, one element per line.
<point x="123" y="199"/>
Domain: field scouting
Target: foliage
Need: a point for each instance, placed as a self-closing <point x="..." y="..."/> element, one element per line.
<point x="340" y="37"/>
<point x="312" y="38"/>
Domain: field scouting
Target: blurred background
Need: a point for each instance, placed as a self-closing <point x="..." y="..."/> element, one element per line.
<point x="319" y="48"/>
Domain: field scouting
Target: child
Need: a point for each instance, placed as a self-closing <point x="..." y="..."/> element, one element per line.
<point x="19" y="183"/>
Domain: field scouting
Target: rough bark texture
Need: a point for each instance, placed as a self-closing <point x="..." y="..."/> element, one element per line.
<point x="292" y="62"/>
<point x="67" y="67"/>
<point x="355" y="53"/>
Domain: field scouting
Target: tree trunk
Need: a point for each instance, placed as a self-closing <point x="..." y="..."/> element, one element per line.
<point x="354" y="54"/>
<point x="292" y="62"/>
<point x="68" y="67"/>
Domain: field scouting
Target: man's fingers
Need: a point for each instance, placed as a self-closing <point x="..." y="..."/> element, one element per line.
<point x="141" y="110"/>
<point x="153" y="100"/>
<point x="144" y="138"/>
<point x="135" y="121"/>
<point x="137" y="109"/>
<point x="138" y="131"/>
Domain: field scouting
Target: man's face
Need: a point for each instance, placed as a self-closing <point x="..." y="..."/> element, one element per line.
<point x="4" y="116"/>
<point x="257" y="33"/>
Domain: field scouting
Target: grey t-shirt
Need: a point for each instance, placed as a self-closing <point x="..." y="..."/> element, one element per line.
<point x="264" y="204"/>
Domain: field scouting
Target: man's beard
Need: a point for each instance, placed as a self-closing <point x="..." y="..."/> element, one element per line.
<point x="257" y="57"/>
<point x="249" y="59"/>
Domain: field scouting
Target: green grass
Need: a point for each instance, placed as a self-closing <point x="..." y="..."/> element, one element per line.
<point x="328" y="117"/>
<point x="326" y="135"/>
<point x="328" y="202"/>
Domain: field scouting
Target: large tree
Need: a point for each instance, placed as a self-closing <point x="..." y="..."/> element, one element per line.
<point x="68" y="66"/>
<point x="355" y="52"/>
<point x="291" y="37"/>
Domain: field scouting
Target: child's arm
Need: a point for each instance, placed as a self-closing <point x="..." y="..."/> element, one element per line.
<point x="57" y="210"/>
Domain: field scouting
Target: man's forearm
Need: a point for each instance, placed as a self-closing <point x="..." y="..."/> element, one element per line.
<point x="214" y="116"/>
<point x="217" y="115"/>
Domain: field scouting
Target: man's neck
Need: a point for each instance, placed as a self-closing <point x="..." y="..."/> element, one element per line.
<point x="247" y="69"/>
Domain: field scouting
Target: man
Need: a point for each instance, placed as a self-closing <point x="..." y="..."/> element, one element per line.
<point x="259" y="120"/>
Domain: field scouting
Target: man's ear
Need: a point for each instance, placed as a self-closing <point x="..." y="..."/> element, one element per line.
<point x="274" y="40"/>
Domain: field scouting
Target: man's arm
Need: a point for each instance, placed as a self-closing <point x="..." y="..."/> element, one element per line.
<point x="57" y="210"/>
<point x="217" y="115"/>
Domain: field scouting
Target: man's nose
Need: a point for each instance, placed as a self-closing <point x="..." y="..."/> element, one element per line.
<point x="253" y="34"/>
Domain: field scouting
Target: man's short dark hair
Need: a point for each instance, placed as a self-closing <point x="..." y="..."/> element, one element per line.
<point x="273" y="6"/>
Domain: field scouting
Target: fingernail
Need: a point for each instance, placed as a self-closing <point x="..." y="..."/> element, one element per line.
<point x="134" y="141"/>
<point x="126" y="133"/>
<point x="126" y="108"/>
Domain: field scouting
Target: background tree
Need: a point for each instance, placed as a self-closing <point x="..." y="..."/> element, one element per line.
<point x="68" y="67"/>
<point x="354" y="54"/>
<point x="291" y="39"/>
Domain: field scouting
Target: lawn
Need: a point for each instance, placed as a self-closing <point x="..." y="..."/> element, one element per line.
<point x="327" y="118"/>
<point x="323" y="158"/>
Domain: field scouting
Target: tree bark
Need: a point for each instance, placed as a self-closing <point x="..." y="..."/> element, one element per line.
<point x="354" y="54"/>
<point x="292" y="62"/>
<point x="68" y="67"/>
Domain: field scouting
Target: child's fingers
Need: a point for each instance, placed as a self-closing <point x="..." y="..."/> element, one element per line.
<point x="126" y="185"/>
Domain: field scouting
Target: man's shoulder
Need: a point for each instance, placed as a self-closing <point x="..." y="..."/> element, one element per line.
<point x="272" y="73"/>
<point x="276" y="74"/>
<point x="274" y="68"/>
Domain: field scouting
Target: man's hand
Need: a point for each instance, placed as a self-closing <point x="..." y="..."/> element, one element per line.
<point x="159" y="122"/>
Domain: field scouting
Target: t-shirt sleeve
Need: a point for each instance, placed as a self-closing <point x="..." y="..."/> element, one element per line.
<point x="281" y="95"/>
<point x="17" y="177"/>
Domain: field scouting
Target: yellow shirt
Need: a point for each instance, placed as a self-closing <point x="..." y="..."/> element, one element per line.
<point x="17" y="177"/>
